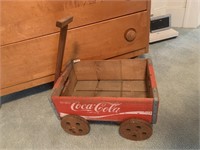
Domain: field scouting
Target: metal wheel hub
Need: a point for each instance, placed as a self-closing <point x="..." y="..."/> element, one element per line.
<point x="134" y="129"/>
<point x="75" y="125"/>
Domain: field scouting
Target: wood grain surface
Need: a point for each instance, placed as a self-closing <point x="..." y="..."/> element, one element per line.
<point x="22" y="20"/>
<point x="27" y="60"/>
<point x="29" y="37"/>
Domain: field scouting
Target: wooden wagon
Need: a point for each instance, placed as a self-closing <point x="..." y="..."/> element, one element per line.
<point x="122" y="91"/>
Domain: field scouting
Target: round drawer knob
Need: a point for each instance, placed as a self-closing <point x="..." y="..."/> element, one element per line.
<point x="130" y="35"/>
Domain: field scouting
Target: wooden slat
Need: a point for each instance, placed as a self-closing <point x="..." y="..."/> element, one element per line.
<point x="85" y="70"/>
<point x="134" y="86"/>
<point x="36" y="58"/>
<point x="107" y="94"/>
<point x="109" y="86"/>
<point x="148" y="83"/>
<point x="60" y="83"/>
<point x="150" y="80"/>
<point x="84" y="93"/>
<point x="21" y="20"/>
<point x="70" y="84"/>
<point x="86" y="85"/>
<point x="135" y="94"/>
<point x="133" y="69"/>
<point x="108" y="70"/>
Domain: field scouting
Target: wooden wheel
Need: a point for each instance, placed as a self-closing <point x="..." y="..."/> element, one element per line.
<point x="134" y="129"/>
<point x="75" y="125"/>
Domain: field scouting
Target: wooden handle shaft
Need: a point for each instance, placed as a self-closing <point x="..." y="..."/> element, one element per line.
<point x="63" y="25"/>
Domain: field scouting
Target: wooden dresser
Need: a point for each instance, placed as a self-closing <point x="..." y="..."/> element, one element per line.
<point x="100" y="30"/>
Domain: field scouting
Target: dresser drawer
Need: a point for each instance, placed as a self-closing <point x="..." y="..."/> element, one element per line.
<point x="21" y="20"/>
<point x="109" y="39"/>
<point x="35" y="59"/>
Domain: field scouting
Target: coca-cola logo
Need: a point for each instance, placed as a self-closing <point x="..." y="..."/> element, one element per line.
<point x="104" y="107"/>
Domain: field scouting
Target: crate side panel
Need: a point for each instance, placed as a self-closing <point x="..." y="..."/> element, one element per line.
<point x="108" y="70"/>
<point x="107" y="94"/>
<point x="86" y="85"/>
<point x="70" y="84"/>
<point x="83" y="93"/>
<point x="109" y="86"/>
<point x="142" y="94"/>
<point x="134" y="85"/>
<point x="104" y="108"/>
<point x="85" y="70"/>
<point x="133" y="69"/>
<point x="153" y="91"/>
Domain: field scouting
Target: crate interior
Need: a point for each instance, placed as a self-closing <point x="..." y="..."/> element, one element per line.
<point x="110" y="78"/>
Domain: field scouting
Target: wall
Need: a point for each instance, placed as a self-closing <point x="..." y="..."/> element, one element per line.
<point x="199" y="15"/>
<point x="192" y="14"/>
<point x="158" y="7"/>
<point x="174" y="7"/>
<point x="177" y="9"/>
<point x="185" y="13"/>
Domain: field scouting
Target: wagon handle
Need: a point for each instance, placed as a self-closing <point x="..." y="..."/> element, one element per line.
<point x="63" y="25"/>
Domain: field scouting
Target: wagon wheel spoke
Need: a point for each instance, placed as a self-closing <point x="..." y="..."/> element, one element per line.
<point x="75" y="125"/>
<point x="135" y="129"/>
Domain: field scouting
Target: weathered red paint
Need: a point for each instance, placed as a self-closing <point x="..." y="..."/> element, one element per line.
<point x="57" y="84"/>
<point x="152" y="76"/>
<point x="105" y="108"/>
<point x="65" y="73"/>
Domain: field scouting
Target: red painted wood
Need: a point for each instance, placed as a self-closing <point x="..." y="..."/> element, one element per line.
<point x="64" y="74"/>
<point x="57" y="84"/>
<point x="152" y="76"/>
<point x="153" y="85"/>
<point x="105" y="108"/>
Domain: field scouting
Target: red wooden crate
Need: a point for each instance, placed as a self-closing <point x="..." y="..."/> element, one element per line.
<point x="122" y="91"/>
<point x="108" y="90"/>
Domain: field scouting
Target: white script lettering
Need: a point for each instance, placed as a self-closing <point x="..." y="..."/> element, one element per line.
<point x="99" y="107"/>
